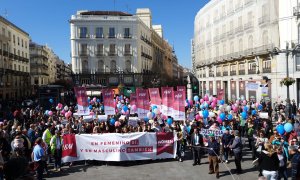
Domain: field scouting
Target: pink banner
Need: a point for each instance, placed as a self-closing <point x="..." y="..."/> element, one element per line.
<point x="133" y="102"/>
<point x="82" y="100"/>
<point x="183" y="89"/>
<point x="142" y="102"/>
<point x="167" y="100"/>
<point x="155" y="96"/>
<point x="179" y="106"/>
<point x="108" y="100"/>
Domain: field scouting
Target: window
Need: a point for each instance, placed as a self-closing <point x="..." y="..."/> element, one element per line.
<point x="99" y="49"/>
<point x="127" y="48"/>
<point x="111" y="32"/>
<point x="14" y="39"/>
<point x="233" y="67"/>
<point x="113" y="66"/>
<point x="83" y="32"/>
<point x="267" y="66"/>
<point x="126" y="32"/>
<point x="251" y="66"/>
<point x="22" y="43"/>
<point x="112" y="49"/>
<point x="83" y="48"/>
<point x="18" y="41"/>
<point x="100" y="65"/>
<point x="26" y="44"/>
<point x="242" y="66"/>
<point x="15" y="67"/>
<point x="85" y="65"/>
<point x="99" y="32"/>
<point x="9" y="35"/>
<point x="128" y="66"/>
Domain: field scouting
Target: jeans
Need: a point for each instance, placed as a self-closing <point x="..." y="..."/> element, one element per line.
<point x="57" y="157"/>
<point x="237" y="161"/>
<point x="270" y="175"/>
<point x="40" y="169"/>
<point x="226" y="152"/>
<point x="282" y="173"/>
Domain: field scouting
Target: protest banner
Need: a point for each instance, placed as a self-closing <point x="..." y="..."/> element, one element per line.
<point x="178" y="106"/>
<point x="82" y="101"/>
<point x="108" y="100"/>
<point x="155" y="97"/>
<point x="206" y="132"/>
<point x="167" y="100"/>
<point x="183" y="89"/>
<point x="118" y="147"/>
<point x="142" y="102"/>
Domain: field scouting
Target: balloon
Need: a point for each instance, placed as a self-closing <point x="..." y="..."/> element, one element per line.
<point x="210" y="99"/>
<point x="215" y="100"/>
<point x="50" y="113"/>
<point x="244" y="115"/>
<point x="156" y="111"/>
<point x="213" y="105"/>
<point x="57" y="108"/>
<point x="257" y="104"/>
<point x="229" y="116"/>
<point x="119" y="105"/>
<point x="206" y="98"/>
<point x="112" y="121"/>
<point x="253" y="106"/>
<point x="260" y="107"/>
<point x="59" y="105"/>
<point x="280" y="129"/>
<point x="228" y="108"/>
<point x="288" y="127"/>
<point x="201" y="101"/>
<point x="205" y="113"/>
<point x="46" y="112"/>
<point x="149" y="115"/>
<point x="169" y="121"/>
<point x="196" y="98"/>
<point x="94" y="99"/>
<point x="51" y="101"/>
<point x="123" y="112"/>
<point x="146" y="119"/>
<point x="67" y="115"/>
<point x="237" y="102"/>
<point x="242" y="97"/>
<point x="92" y="113"/>
<point x="152" y="115"/>
<point x="186" y="104"/>
<point x="191" y="102"/>
<point x="245" y="108"/>
<point x="253" y="112"/>
<point x="221" y="107"/>
<point x="211" y="114"/>
<point x="92" y="102"/>
<point x="222" y="116"/>
<point x="66" y="108"/>
<point x="219" y="120"/>
<point x="197" y="117"/>
<point x="154" y="107"/>
<point x="90" y="107"/>
<point x="133" y="107"/>
<point x="222" y="102"/>
<point x="89" y="98"/>
<point x="125" y="108"/>
<point x="202" y="106"/>
<point x="98" y="100"/>
<point x="117" y="123"/>
<point x="205" y="105"/>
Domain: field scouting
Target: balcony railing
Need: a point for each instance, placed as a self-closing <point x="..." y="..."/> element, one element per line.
<point x="211" y="74"/>
<point x="230" y="32"/>
<point x="232" y="73"/>
<point x="111" y="36"/>
<point x="251" y="71"/>
<point x="83" y="36"/>
<point x="239" y="29"/>
<point x="219" y="74"/>
<point x="266" y="70"/>
<point x="112" y="53"/>
<point x="146" y="56"/>
<point x="99" y="53"/>
<point x="263" y="20"/>
<point x="127" y="53"/>
<point x="225" y="73"/>
<point x="264" y="49"/>
<point x="248" y="25"/>
<point x="99" y="36"/>
<point x="126" y="36"/>
<point x="242" y="72"/>
<point x="83" y="53"/>
<point x="204" y="75"/>
<point x="248" y="2"/>
<point x="249" y="51"/>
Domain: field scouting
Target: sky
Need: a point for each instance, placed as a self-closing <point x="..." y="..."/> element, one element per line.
<point x="46" y="21"/>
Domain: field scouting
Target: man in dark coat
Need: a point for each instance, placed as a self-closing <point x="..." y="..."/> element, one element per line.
<point x="197" y="144"/>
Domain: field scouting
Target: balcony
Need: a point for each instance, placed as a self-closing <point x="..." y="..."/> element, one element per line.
<point x="208" y="42"/>
<point x="211" y="74"/>
<point x="219" y="74"/>
<point x="99" y="36"/>
<point x="83" y="36"/>
<point x="225" y="73"/>
<point x="216" y="39"/>
<point x="222" y="36"/>
<point x="251" y="71"/>
<point x="99" y="53"/>
<point x="249" y="52"/>
<point x="248" y="25"/>
<point x="111" y="36"/>
<point x="204" y="75"/>
<point x="83" y="53"/>
<point x="230" y="32"/>
<point x="146" y="56"/>
<point x="126" y="36"/>
<point x="265" y="49"/>
<point x="232" y="73"/>
<point x="264" y="20"/>
<point x="33" y="65"/>
<point x="242" y="72"/>
<point x="127" y="53"/>
<point x="112" y="53"/>
<point x="4" y="38"/>
<point x="248" y="2"/>
<point x="266" y="70"/>
<point x="239" y="29"/>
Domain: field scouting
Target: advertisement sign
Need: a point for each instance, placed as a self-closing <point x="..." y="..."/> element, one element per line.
<point x="142" y="102"/>
<point x="179" y="106"/>
<point x="118" y="147"/>
<point x="108" y="100"/>
<point x="167" y="100"/>
<point x="220" y="94"/>
<point x="82" y="101"/>
<point x="242" y="91"/>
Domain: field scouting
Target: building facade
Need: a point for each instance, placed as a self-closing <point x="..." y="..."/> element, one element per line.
<point x="14" y="61"/>
<point x="110" y="48"/>
<point x="233" y="45"/>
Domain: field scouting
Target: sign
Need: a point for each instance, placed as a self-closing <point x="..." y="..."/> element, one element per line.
<point x="133" y="121"/>
<point x="264" y="91"/>
<point x="102" y="118"/>
<point x="128" y="90"/>
<point x="133" y="102"/>
<point x="264" y="115"/>
<point x="108" y="100"/>
<point x="179" y="106"/>
<point x="183" y="89"/>
<point x="167" y="100"/>
<point x="155" y="97"/>
<point x="82" y="101"/>
<point x="252" y="86"/>
<point x="220" y="94"/>
<point x="118" y="147"/>
<point x="206" y="132"/>
<point x="142" y="102"/>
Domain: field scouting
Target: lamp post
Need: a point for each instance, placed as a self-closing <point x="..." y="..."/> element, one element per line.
<point x="287" y="51"/>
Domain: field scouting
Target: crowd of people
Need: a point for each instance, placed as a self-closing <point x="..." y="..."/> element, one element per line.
<point x="31" y="137"/>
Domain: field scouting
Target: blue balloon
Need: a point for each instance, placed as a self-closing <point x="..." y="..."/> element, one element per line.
<point x="280" y="129"/>
<point x="51" y="101"/>
<point x="253" y="112"/>
<point x="46" y="112"/>
<point x="244" y="115"/>
<point x="260" y="107"/>
<point x="112" y="121"/>
<point x="90" y="107"/>
<point x="245" y="108"/>
<point x="222" y="102"/>
<point x="153" y="114"/>
<point x="201" y="106"/>
<point x="188" y="128"/>
<point x="169" y="121"/>
<point x="154" y="107"/>
<point x="146" y="119"/>
<point x="89" y="98"/>
<point x="125" y="108"/>
<point x="119" y="105"/>
<point x="222" y="116"/>
<point x="196" y="98"/>
<point x="230" y="117"/>
<point x="98" y="100"/>
<point x="205" y="113"/>
<point x="288" y="127"/>
<point x="205" y="105"/>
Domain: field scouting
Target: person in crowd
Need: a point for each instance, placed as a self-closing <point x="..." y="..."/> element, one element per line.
<point x="282" y="172"/>
<point x="237" y="147"/>
<point x="56" y="150"/>
<point x="213" y="155"/>
<point x="295" y="161"/>
<point x="197" y="144"/>
<point x="269" y="162"/>
<point x="226" y="140"/>
<point x="38" y="158"/>
<point x="47" y="135"/>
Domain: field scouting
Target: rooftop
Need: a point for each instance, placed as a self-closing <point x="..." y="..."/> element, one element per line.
<point x="105" y="13"/>
<point x="12" y="24"/>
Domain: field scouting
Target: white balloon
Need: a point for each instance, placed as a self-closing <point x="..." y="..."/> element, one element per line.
<point x="220" y="107"/>
<point x="228" y="108"/>
<point x="211" y="114"/>
<point x="66" y="108"/>
<point x="200" y="113"/>
<point x="253" y="106"/>
<point x="210" y="99"/>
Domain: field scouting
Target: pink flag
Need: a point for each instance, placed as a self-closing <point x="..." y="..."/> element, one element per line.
<point x="183" y="89"/>
<point x="179" y="106"/>
<point x="167" y="100"/>
<point x="155" y="96"/>
<point x="108" y="100"/>
<point x="142" y="102"/>
<point x="82" y="100"/>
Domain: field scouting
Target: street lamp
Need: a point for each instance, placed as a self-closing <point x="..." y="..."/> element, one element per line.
<point x="287" y="51"/>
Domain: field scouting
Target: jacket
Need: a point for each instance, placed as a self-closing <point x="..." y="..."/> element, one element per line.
<point x="237" y="145"/>
<point x="268" y="163"/>
<point x="200" y="140"/>
<point x="226" y="139"/>
<point x="295" y="166"/>
<point x="214" y="148"/>
<point x="53" y="143"/>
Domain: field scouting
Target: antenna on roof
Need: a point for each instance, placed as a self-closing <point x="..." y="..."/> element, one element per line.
<point x="5" y="13"/>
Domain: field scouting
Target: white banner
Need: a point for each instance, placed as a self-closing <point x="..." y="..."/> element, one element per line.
<point x="206" y="132"/>
<point x="252" y="86"/>
<point x="118" y="147"/>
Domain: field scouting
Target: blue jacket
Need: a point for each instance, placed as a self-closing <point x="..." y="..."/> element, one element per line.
<point x="296" y="166"/>
<point x="214" y="148"/>
<point x="226" y="139"/>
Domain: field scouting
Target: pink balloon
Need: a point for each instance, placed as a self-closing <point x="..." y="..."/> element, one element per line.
<point x="244" y="102"/>
<point x="197" y="117"/>
<point x="117" y="123"/>
<point x="219" y="112"/>
<point x="237" y="102"/>
<point x="213" y="105"/>
<point x="67" y="115"/>
<point x="206" y="97"/>
<point x="91" y="102"/>
<point x="219" y="120"/>
<point x="133" y="107"/>
<point x="50" y="113"/>
<point x="186" y="104"/>
<point x="257" y="104"/>
<point x="201" y="101"/>
<point x="92" y="113"/>
<point x="191" y="102"/>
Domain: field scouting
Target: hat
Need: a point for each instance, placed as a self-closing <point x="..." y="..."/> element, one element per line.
<point x="236" y="132"/>
<point x="211" y="135"/>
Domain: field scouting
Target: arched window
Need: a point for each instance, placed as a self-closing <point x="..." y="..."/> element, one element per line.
<point x="113" y="66"/>
<point x="100" y="65"/>
<point x="128" y="66"/>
